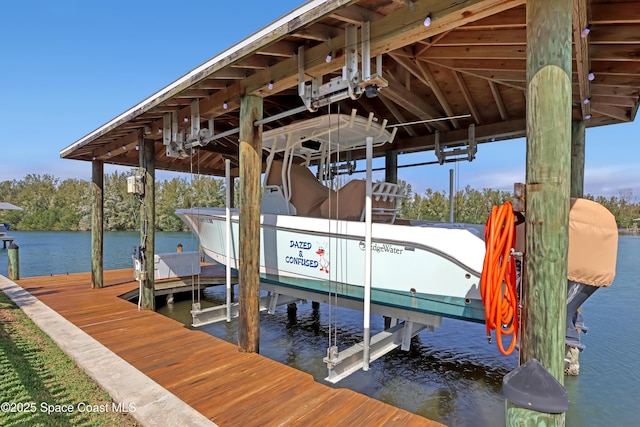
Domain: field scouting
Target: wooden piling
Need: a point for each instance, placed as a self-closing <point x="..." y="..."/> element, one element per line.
<point x="97" y="224"/>
<point x="391" y="166"/>
<point x="578" y="137"/>
<point x="249" y="275"/>
<point x="147" y="223"/>
<point x="13" y="256"/>
<point x="577" y="157"/>
<point x="547" y="203"/>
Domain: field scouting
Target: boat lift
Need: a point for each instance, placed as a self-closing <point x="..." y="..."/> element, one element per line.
<point x="405" y="323"/>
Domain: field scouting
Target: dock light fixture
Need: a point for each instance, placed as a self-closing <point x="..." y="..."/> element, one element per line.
<point x="225" y="105"/>
<point x="186" y="119"/>
<point x="109" y="153"/>
<point x="591" y="76"/>
<point x="124" y="148"/>
<point x="137" y="148"/>
<point x="160" y="130"/>
<point x="586" y="31"/>
<point x="586" y="101"/>
<point x="270" y="85"/>
<point x="587" y="116"/>
<point x="329" y="57"/>
<point x="427" y="20"/>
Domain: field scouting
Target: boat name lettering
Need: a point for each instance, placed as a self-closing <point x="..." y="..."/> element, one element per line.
<point x="299" y="244"/>
<point x="305" y="262"/>
<point x="385" y="247"/>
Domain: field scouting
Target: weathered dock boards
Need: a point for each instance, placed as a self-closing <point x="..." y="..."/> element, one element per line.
<point x="211" y="375"/>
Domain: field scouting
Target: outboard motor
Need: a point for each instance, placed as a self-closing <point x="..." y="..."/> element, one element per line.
<point x="593" y="248"/>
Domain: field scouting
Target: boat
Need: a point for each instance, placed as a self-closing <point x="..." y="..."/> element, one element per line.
<point x="313" y="236"/>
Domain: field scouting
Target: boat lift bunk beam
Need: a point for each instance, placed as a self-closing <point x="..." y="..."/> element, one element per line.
<point x="405" y="325"/>
<point x="206" y="316"/>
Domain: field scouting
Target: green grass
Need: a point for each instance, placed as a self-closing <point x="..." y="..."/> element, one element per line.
<point x="35" y="373"/>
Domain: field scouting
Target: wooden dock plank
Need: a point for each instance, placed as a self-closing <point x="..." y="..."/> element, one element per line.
<point x="209" y="374"/>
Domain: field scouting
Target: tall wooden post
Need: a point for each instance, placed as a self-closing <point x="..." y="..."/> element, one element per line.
<point x="232" y="193"/>
<point x="547" y="203"/>
<point x="577" y="158"/>
<point x="572" y="354"/>
<point x="391" y="166"/>
<point x="13" y="258"/>
<point x="97" y="224"/>
<point x="249" y="274"/>
<point x="147" y="223"/>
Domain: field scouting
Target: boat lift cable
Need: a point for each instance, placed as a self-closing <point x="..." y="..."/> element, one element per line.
<point x="419" y="122"/>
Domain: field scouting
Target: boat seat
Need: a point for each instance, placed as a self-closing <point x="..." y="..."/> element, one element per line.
<point x="274" y="202"/>
<point x="348" y="203"/>
<point x="307" y="193"/>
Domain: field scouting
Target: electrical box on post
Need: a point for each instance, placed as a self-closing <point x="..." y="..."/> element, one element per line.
<point x="135" y="184"/>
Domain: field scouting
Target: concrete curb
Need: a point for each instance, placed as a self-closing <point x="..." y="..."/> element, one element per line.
<point x="153" y="405"/>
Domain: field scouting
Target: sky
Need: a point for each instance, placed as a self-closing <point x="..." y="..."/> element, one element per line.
<point x="69" y="66"/>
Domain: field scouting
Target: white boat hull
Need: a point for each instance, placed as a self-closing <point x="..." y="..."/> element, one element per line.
<point x="432" y="269"/>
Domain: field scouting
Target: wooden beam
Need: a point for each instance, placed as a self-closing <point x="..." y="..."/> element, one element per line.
<point x="467" y="97"/>
<point x="622" y="13"/>
<point x="423" y="74"/>
<point x="484" y="37"/>
<point x="250" y="152"/>
<point x="97" y="224"/>
<point x="583" y="63"/>
<point x="484" y="75"/>
<point x="397" y="93"/>
<point x="497" y="131"/>
<point x="355" y="15"/>
<point x="618" y="113"/>
<point x="397" y="115"/>
<point x="475" y="64"/>
<point x="495" y="91"/>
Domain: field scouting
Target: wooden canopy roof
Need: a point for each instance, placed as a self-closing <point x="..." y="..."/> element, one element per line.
<point x="471" y="59"/>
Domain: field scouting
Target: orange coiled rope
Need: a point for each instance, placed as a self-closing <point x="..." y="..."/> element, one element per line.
<point x="498" y="281"/>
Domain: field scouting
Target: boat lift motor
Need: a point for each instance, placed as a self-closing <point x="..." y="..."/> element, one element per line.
<point x="352" y="83"/>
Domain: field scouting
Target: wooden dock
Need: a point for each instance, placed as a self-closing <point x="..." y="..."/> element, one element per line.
<point x="211" y="375"/>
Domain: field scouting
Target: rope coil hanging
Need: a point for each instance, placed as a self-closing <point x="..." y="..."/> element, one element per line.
<point x="498" y="281"/>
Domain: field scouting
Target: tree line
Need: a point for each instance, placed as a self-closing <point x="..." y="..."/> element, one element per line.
<point x="51" y="204"/>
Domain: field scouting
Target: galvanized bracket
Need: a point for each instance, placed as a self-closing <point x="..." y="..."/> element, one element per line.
<point x="456" y="154"/>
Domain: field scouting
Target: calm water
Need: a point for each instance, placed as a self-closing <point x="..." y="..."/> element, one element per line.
<point x="451" y="375"/>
